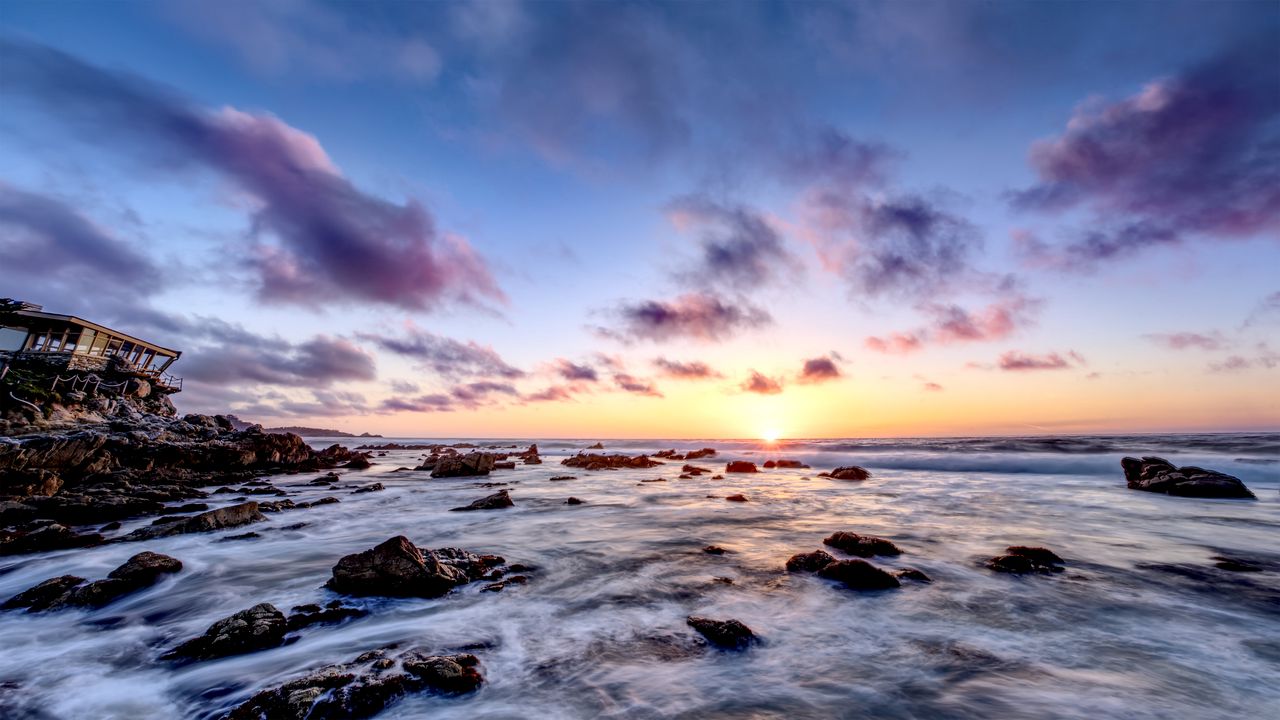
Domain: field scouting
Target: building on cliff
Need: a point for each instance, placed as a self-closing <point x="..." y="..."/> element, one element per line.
<point x="67" y="342"/>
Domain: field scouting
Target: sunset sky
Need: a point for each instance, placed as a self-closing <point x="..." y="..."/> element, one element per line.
<point x="662" y="219"/>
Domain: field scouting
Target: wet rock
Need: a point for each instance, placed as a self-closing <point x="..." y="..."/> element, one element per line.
<point x="241" y="536"/>
<point x="329" y="500"/>
<point x="1237" y="564"/>
<point x="398" y="568"/>
<point x="259" y="628"/>
<point x="496" y="501"/>
<point x="654" y="480"/>
<point x="227" y="517"/>
<point x="597" y="446"/>
<point x="1023" y="560"/>
<point x="913" y="575"/>
<point x="456" y="465"/>
<point x="508" y="465"/>
<point x="562" y="478"/>
<point x="277" y="506"/>
<point x="693" y="470"/>
<point x="809" y="562"/>
<point x="609" y="462"/>
<point x="736" y="498"/>
<point x="1153" y="474"/>
<point x="861" y="545"/>
<point x="573" y="501"/>
<point x="849" y="472"/>
<point x="44" y="595"/>
<point x="740" y="466"/>
<point x="145" y="569"/>
<point x="42" y="536"/>
<point x="714" y="550"/>
<point x="726" y="634"/>
<point x="334" y="612"/>
<point x="110" y="526"/>
<point x="359" y="462"/>
<point x="785" y="464"/>
<point x="375" y="487"/>
<point x="695" y="454"/>
<point x="500" y="586"/>
<point x="16" y="512"/>
<point x="858" y="575"/>
<point x="530" y="456"/>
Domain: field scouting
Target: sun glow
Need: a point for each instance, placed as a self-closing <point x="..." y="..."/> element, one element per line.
<point x="770" y="436"/>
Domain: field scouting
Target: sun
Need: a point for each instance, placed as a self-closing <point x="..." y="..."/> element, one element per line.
<point x="770" y="436"/>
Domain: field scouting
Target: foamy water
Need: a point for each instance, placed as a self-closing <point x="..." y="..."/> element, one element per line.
<point x="1140" y="626"/>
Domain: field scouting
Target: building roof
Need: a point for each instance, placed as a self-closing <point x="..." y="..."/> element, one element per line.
<point x="100" y="328"/>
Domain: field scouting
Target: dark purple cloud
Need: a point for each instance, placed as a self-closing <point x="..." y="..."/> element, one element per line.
<point x="574" y="372"/>
<point x="833" y="158"/>
<point x="446" y="356"/>
<point x="552" y="393"/>
<point x="761" y="384"/>
<point x="1019" y="361"/>
<point x="693" y="370"/>
<point x="819" y="370"/>
<point x="315" y="237"/>
<point x="1186" y="340"/>
<point x="476" y="394"/>
<point x="698" y="316"/>
<point x="1193" y="154"/>
<point x="740" y="249"/>
<point x="436" y="402"/>
<point x="635" y="385"/>
<point x="227" y="354"/>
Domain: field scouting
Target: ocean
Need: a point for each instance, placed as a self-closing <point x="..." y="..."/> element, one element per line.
<point x="1142" y="623"/>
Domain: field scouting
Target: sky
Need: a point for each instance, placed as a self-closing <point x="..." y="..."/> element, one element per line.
<point x="677" y="220"/>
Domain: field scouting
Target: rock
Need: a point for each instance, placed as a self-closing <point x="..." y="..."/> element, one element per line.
<point x="714" y="550"/>
<point x="500" y="586"/>
<point x="498" y="500"/>
<point x="740" y="466"/>
<point x="145" y="569"/>
<point x="654" y="480"/>
<point x="858" y="575"/>
<point x="445" y="673"/>
<point x="1237" y="564"/>
<point x="98" y="593"/>
<point x="573" y="501"/>
<point x="695" y="454"/>
<point x="1022" y="560"/>
<point x="359" y="462"/>
<point x="456" y="465"/>
<point x="368" y="489"/>
<point x="849" y="472"/>
<point x="809" y="562"/>
<point x="693" y="470"/>
<point x="597" y="446"/>
<point x="45" y="595"/>
<point x="259" y="628"/>
<point x="1153" y="474"/>
<point x="307" y="615"/>
<point x="861" y="545"/>
<point x="562" y="478"/>
<point x="609" y="462"/>
<point x="398" y="568"/>
<point x="42" y="536"/>
<point x="784" y="464"/>
<point x="231" y="516"/>
<point x="727" y="634"/>
<point x="736" y="498"/>
<point x="912" y="574"/>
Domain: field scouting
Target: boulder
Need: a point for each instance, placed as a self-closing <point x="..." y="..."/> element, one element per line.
<point x="45" y="595"/>
<point x="41" y="536"/>
<point x="1023" y="560"/>
<point x="375" y="487"/>
<point x="736" y="498"/>
<point x="259" y="628"/>
<point x="1153" y="474"/>
<point x="307" y="615"/>
<point x="913" y="575"/>
<point x="858" y="575"/>
<point x="861" y="545"/>
<point x="740" y="466"/>
<point x="498" y="500"/>
<point x="785" y="464"/>
<point x="809" y="562"/>
<point x="573" y="501"/>
<point x="695" y="454"/>
<point x="726" y="634"/>
<point x="714" y="550"/>
<point x="227" y="517"/>
<point x="398" y="568"/>
<point x="849" y="472"/>
<point x="593" y="461"/>
<point x="145" y="569"/>
<point x="456" y="465"/>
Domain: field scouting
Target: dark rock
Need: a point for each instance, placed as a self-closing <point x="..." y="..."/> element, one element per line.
<point x="259" y="628"/>
<point x="500" y="586"/>
<point x="1022" y="560"/>
<point x="359" y="462"/>
<point x="241" y="536"/>
<point x="912" y="574"/>
<point x="507" y="465"/>
<point x="727" y="634"/>
<point x="562" y="478"/>
<point x="397" y="568"/>
<point x="609" y="462"/>
<point x="861" y="545"/>
<point x="714" y="550"/>
<point x="858" y="575"/>
<point x="456" y="465"/>
<point x="1153" y="474"/>
<point x="1237" y="564"/>
<point x="231" y="516"/>
<point x="740" y="466"/>
<point x="809" y="562"/>
<point x="850" y="472"/>
<point x="42" y="536"/>
<point x="736" y="498"/>
<point x="145" y="569"/>
<point x="110" y="526"/>
<point x="45" y="595"/>
<point x="695" y="454"/>
<point x="368" y="489"/>
<point x="307" y="615"/>
<point x="573" y="501"/>
<point x="597" y="446"/>
<point x="498" y="500"/>
<point x="654" y="480"/>
<point x="785" y="464"/>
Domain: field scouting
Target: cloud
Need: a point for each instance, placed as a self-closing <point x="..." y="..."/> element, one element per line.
<point x="446" y="356"/>
<point x="1186" y="340"/>
<point x="1019" y="361"/>
<point x="895" y="344"/>
<point x="932" y="387"/>
<point x="1265" y="358"/>
<point x="475" y="394"/>
<point x="436" y="402"/>
<point x="635" y="385"/>
<point x="315" y="238"/>
<point x="1196" y="153"/>
<point x="698" y="316"/>
<point x="740" y="248"/>
<point x="952" y="324"/>
<point x="226" y="354"/>
<point x="819" y="370"/>
<point x="1266" y="312"/>
<point x="553" y="393"/>
<point x="678" y="370"/>
<point x="574" y="372"/>
<point x="761" y="384"/>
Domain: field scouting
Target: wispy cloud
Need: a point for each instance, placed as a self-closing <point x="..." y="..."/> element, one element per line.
<point x="697" y="316"/>
<point x="446" y="356"/>
<point x="761" y="384"/>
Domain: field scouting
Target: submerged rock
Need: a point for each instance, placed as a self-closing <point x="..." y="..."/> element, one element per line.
<point x="375" y="487"/>
<point x="740" y="466"/>
<point x="912" y="574"/>
<point x="138" y="572"/>
<point x="43" y="595"/>
<point x="714" y="550"/>
<point x="727" y="634"/>
<point x="809" y="562"/>
<point x="1153" y="474"/>
<point x="736" y="498"/>
<point x="398" y="568"/>
<point x="498" y="500"/>
<point x="259" y="628"/>
<point x="42" y="536"/>
<point x="307" y="615"/>
<point x="861" y="545"/>
<point x="1022" y="560"/>
<point x="785" y="464"/>
<point x="858" y="575"/>
<point x="227" y="517"/>
<point x="849" y="472"/>
<point x="573" y="501"/>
